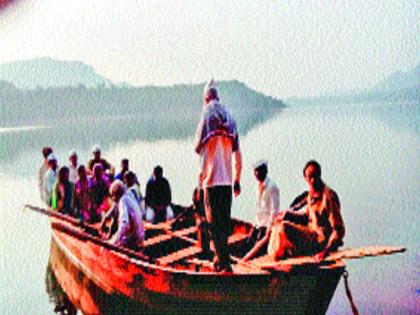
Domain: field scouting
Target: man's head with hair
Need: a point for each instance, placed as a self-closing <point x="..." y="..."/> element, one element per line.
<point x="312" y="175"/>
<point x="96" y="152"/>
<point x="98" y="170"/>
<point x="63" y="174"/>
<point x="261" y="170"/>
<point x="46" y="151"/>
<point x="117" y="190"/>
<point x="158" y="171"/>
<point x="124" y="164"/>
<point x="81" y="171"/>
<point x="73" y="157"/>
<point x="314" y="164"/>
<point x="130" y="178"/>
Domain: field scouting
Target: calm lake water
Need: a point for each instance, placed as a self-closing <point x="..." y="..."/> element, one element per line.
<point x="370" y="154"/>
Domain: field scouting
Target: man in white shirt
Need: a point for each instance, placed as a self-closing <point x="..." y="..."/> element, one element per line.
<point x="268" y="203"/>
<point x="130" y="231"/>
<point x="73" y="166"/>
<point x="50" y="178"/>
<point x="216" y="142"/>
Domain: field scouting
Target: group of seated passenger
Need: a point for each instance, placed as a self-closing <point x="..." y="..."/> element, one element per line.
<point x="84" y="192"/>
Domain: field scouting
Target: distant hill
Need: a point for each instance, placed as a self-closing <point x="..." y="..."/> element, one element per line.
<point x="398" y="86"/>
<point x="399" y="81"/>
<point x="81" y="117"/>
<point x="49" y="73"/>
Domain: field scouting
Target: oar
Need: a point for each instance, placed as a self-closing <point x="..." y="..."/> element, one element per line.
<point x="63" y="217"/>
<point x="87" y="237"/>
<point x="350" y="253"/>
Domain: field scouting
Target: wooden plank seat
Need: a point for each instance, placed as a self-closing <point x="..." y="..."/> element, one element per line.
<point x="235" y="238"/>
<point x="179" y="255"/>
<point x="167" y="236"/>
<point x="195" y="249"/>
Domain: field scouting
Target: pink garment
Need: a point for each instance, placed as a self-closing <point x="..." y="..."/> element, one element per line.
<point x="83" y="198"/>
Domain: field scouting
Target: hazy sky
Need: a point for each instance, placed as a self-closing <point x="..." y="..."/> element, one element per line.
<point x="281" y="48"/>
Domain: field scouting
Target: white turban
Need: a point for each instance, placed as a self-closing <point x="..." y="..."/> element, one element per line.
<point x="96" y="148"/>
<point x="52" y="157"/>
<point x="211" y="85"/>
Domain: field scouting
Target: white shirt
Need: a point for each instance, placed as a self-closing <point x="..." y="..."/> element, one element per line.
<point x="216" y="163"/>
<point x="130" y="223"/>
<point x="268" y="202"/>
<point x="73" y="176"/>
<point x="50" y="178"/>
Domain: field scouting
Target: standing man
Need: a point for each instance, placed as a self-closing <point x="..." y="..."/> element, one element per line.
<point x="268" y="203"/>
<point x="216" y="141"/>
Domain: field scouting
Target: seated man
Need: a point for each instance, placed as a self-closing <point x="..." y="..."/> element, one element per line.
<point x="158" y="197"/>
<point x="124" y="169"/>
<point x="130" y="231"/>
<point x="268" y="203"/>
<point x="324" y="228"/>
<point x="133" y="186"/>
<point x="97" y="158"/>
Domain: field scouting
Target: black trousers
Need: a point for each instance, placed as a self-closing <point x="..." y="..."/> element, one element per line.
<point x="218" y="203"/>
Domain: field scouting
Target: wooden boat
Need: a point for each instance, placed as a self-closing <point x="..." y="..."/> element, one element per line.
<point x="168" y="275"/>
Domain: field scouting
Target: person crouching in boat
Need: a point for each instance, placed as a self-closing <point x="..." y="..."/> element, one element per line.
<point x="130" y="231"/>
<point x="268" y="203"/>
<point x="63" y="193"/>
<point x="316" y="230"/>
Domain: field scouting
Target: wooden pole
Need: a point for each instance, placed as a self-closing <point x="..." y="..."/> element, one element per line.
<point x="87" y="237"/>
<point x="84" y="235"/>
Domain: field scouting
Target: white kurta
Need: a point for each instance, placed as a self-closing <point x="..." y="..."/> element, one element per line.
<point x="130" y="223"/>
<point x="268" y="202"/>
<point x="73" y="176"/>
<point x="50" y="178"/>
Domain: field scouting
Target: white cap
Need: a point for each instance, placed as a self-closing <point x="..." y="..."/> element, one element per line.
<point x="96" y="148"/>
<point x="52" y="157"/>
<point x="211" y="85"/>
<point x="72" y="153"/>
<point x="260" y="163"/>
